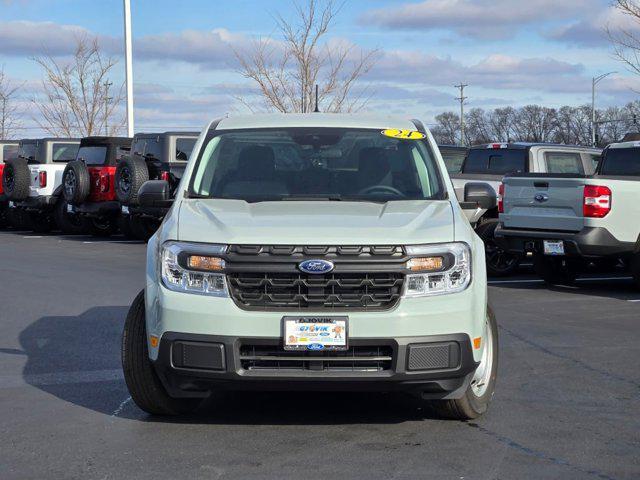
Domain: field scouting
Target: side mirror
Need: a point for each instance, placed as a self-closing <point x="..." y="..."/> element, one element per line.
<point x="154" y="193"/>
<point x="480" y="195"/>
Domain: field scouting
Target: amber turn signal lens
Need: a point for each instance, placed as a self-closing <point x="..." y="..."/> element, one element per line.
<point x="210" y="264"/>
<point x="425" y="264"/>
<point x="477" y="342"/>
<point x="153" y="340"/>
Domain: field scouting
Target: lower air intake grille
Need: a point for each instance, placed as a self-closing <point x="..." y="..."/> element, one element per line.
<point x="355" y="359"/>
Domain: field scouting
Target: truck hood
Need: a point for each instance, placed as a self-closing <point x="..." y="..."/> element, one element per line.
<point x="315" y="223"/>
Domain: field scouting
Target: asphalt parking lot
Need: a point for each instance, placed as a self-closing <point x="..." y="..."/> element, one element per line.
<point x="566" y="405"/>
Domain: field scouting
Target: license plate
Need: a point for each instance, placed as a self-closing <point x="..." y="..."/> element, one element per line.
<point x="69" y="208"/>
<point x="315" y="333"/>
<point x="125" y="209"/>
<point x="552" y="247"/>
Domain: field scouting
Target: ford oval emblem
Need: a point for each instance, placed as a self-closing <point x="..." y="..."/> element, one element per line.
<point x="315" y="346"/>
<point x="541" y="197"/>
<point x="315" y="267"/>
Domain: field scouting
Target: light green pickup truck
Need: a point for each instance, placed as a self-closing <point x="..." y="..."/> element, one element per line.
<point x="313" y="252"/>
<point x="567" y="221"/>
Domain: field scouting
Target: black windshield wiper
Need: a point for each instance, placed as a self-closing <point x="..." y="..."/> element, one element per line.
<point x="311" y="198"/>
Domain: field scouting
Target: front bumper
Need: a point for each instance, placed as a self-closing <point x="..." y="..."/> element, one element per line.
<point x="39" y="203"/>
<point x="97" y="209"/>
<point x="588" y="242"/>
<point x="433" y="367"/>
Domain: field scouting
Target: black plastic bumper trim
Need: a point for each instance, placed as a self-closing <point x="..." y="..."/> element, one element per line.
<point x="195" y="382"/>
<point x="588" y="242"/>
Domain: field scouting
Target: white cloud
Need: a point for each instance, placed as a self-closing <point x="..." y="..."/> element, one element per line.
<point x="591" y="32"/>
<point x="483" y="19"/>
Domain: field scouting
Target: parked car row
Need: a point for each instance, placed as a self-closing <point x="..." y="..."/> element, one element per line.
<point x="89" y="185"/>
<point x="570" y="220"/>
<point x="489" y="163"/>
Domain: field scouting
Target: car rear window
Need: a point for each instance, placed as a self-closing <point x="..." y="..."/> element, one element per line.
<point x="184" y="146"/>
<point x="496" y="161"/>
<point x="96" y="155"/>
<point x="621" y="161"/>
<point x="9" y="152"/>
<point x="453" y="158"/>
<point x="149" y="147"/>
<point x="28" y="151"/>
<point x="564" y="162"/>
<point x="64" y="152"/>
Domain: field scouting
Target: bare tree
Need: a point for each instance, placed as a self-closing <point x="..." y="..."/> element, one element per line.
<point x="626" y="41"/>
<point x="77" y="96"/>
<point x="286" y="71"/>
<point x="447" y="128"/>
<point x="9" y="114"/>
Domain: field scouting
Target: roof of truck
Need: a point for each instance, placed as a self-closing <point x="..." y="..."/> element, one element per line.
<point x="315" y="120"/>
<point x="525" y="145"/>
<point x="103" y="140"/>
<point x="166" y="134"/>
<point x="50" y="139"/>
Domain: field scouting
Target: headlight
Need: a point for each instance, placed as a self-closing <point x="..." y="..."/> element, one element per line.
<point x="446" y="268"/>
<point x="194" y="268"/>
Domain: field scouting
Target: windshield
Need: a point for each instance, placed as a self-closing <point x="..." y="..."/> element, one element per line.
<point x="307" y="164"/>
<point x="621" y="161"/>
<point x="496" y="161"/>
<point x="92" y="155"/>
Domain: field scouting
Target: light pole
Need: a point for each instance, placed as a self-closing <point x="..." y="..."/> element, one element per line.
<point x="462" y="98"/>
<point x="128" y="65"/>
<point x="594" y="82"/>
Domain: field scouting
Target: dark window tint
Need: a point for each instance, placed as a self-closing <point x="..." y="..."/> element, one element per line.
<point x="93" y="155"/>
<point x="562" y="162"/>
<point x="154" y="149"/>
<point x="139" y="146"/>
<point x="621" y="161"/>
<point x="595" y="159"/>
<point x="64" y="152"/>
<point x="122" y="152"/>
<point x="28" y="151"/>
<point x="9" y="152"/>
<point x="184" y="147"/>
<point x="496" y="161"/>
<point x="453" y="158"/>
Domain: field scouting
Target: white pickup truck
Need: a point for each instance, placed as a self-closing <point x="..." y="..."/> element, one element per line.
<point x="489" y="163"/>
<point x="567" y="221"/>
<point x="33" y="182"/>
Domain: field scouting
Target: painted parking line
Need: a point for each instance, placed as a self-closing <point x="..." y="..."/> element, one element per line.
<point x="634" y="301"/>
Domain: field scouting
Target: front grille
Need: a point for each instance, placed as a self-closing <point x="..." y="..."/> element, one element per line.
<point x="302" y="291"/>
<point x="355" y="359"/>
<point x="267" y="277"/>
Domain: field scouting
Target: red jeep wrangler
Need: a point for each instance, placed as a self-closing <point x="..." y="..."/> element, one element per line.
<point x="8" y="150"/>
<point x="89" y="183"/>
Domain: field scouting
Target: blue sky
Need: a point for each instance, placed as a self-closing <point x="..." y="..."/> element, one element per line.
<point x="509" y="52"/>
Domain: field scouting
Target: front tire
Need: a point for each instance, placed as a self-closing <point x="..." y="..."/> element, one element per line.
<point x="142" y="380"/>
<point x="479" y="393"/>
<point x="69" y="224"/>
<point x="500" y="263"/>
<point x="143" y="228"/>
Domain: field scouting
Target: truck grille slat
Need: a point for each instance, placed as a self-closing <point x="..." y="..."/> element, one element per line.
<point x="365" y="277"/>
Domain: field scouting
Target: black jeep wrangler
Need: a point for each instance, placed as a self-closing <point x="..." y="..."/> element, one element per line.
<point x="8" y="150"/>
<point x="88" y="183"/>
<point x="154" y="156"/>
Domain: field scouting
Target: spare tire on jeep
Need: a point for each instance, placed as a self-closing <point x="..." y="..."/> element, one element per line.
<point x="76" y="182"/>
<point x="16" y="179"/>
<point x="131" y="173"/>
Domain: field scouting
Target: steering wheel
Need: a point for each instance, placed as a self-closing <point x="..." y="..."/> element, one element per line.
<point x="382" y="189"/>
